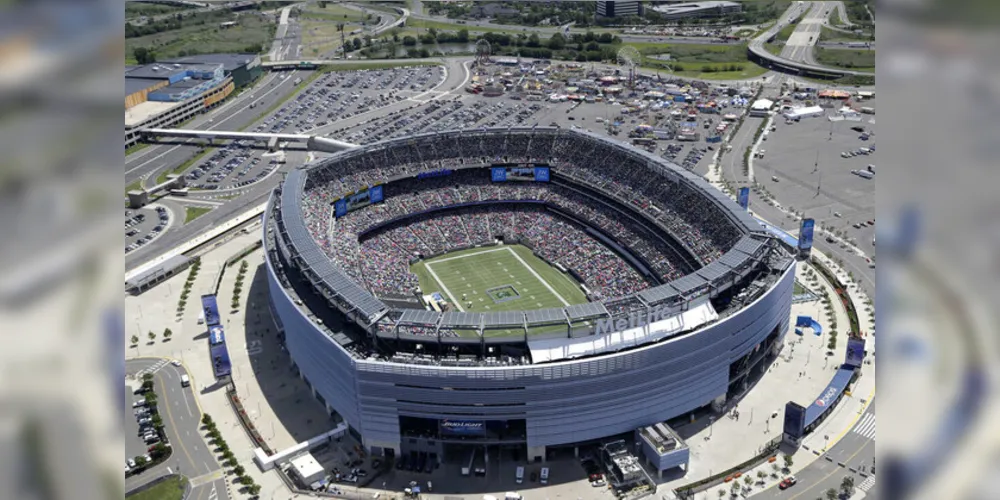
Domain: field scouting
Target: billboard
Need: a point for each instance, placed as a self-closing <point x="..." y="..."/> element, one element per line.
<point x="216" y="335"/>
<point x="806" y="235"/>
<point x="498" y="174"/>
<point x="795" y="421"/>
<point x="855" y="351"/>
<point x="744" y="198"/>
<point x="541" y="174"/>
<point x="211" y="309"/>
<point x="456" y="427"/>
<point x="357" y="200"/>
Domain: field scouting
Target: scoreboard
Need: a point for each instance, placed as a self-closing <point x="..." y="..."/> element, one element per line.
<point x="520" y="172"/>
<point x="357" y="200"/>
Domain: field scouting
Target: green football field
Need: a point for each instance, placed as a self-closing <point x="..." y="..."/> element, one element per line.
<point x="500" y="278"/>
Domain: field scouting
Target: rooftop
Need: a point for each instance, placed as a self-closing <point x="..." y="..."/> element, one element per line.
<point x="229" y="62"/>
<point x="133" y="85"/>
<point x="146" y="110"/>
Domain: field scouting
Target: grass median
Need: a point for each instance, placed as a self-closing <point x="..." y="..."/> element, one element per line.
<point x="859" y="60"/>
<point x="168" y="489"/>
<point x="179" y="170"/>
<point x="192" y="213"/>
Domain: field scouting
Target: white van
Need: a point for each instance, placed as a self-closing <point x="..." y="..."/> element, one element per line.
<point x="545" y="475"/>
<point x="512" y="495"/>
<point x="519" y="476"/>
<point x="185" y="381"/>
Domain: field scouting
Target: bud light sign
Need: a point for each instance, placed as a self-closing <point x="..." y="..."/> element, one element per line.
<point x="463" y="427"/>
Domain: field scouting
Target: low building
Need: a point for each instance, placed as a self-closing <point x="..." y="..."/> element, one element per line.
<point x="698" y="10"/>
<point x="761" y="107"/>
<point x="663" y="448"/>
<point x="804" y="112"/>
<point x="619" y="9"/>
<point x="307" y="469"/>
<point x="162" y="94"/>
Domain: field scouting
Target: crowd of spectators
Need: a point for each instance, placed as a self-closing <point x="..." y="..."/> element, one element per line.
<point x="381" y="260"/>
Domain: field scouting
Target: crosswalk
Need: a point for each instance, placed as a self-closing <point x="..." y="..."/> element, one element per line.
<point x="867" y="484"/>
<point x="151" y="369"/>
<point x="866" y="427"/>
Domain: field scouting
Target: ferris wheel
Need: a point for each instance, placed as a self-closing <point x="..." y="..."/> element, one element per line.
<point x="483" y="51"/>
<point x="629" y="58"/>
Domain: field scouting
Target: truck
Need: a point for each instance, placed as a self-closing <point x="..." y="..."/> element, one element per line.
<point x="185" y="381"/>
<point x="863" y="173"/>
<point x="519" y="474"/>
<point x="868" y="110"/>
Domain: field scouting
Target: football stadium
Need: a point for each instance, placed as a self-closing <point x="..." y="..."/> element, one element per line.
<point x="531" y="288"/>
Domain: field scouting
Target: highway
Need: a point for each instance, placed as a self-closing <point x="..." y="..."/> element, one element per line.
<point x="796" y="57"/>
<point x="181" y="416"/>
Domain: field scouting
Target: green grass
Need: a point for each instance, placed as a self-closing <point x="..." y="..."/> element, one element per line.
<point x="798" y="289"/>
<point x="829" y="35"/>
<point x="424" y="23"/>
<point x="332" y="12"/>
<point x="861" y="60"/>
<point x="192" y="213"/>
<point x="138" y="147"/>
<point x="169" y="489"/>
<point x="785" y="33"/>
<point x="835" y="18"/>
<point x="773" y="48"/>
<point x="206" y="39"/>
<point x="477" y="270"/>
<point x="135" y="186"/>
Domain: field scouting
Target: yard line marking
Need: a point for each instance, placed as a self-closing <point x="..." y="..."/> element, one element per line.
<point x="535" y="274"/>
<point x="446" y="290"/>
<point x="471" y="254"/>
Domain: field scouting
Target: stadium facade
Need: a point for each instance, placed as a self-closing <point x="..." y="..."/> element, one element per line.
<point x="571" y="375"/>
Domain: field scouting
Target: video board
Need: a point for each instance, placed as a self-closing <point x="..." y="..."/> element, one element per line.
<point x="357" y="200"/>
<point x="527" y="172"/>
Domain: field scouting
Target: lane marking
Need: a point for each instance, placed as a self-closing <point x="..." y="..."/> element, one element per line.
<point x="535" y="274"/>
<point x="437" y="278"/>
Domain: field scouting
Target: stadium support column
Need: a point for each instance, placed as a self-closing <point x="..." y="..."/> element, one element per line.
<point x="536" y="452"/>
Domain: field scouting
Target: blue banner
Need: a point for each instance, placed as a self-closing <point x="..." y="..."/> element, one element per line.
<point x="340" y="208"/>
<point x="499" y="174"/>
<point x="541" y="174"/>
<point x="806" y="235"/>
<point x="463" y="427"/>
<point x="795" y="421"/>
<point x="376" y="194"/>
<point x="855" y="351"/>
<point x="221" y="365"/>
<point x="211" y="309"/>
<point x="216" y="335"/>
<point x="744" y="197"/>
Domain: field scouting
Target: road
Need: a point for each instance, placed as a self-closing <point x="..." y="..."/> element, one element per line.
<point x="181" y="416"/>
<point x="853" y="456"/>
<point x="233" y="115"/>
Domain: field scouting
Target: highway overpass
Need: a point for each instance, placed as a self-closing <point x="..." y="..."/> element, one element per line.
<point x="313" y="143"/>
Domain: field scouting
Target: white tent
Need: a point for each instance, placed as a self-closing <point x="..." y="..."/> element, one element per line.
<point x="803" y="112"/>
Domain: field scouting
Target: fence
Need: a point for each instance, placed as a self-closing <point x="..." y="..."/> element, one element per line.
<point x="234" y="259"/>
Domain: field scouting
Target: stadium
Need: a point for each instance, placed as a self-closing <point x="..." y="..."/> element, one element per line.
<point x="531" y="288"/>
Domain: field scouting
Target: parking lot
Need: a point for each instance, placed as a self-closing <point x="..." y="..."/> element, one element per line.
<point x="143" y="225"/>
<point x="140" y="434"/>
<point x="331" y="97"/>
<point x="822" y="167"/>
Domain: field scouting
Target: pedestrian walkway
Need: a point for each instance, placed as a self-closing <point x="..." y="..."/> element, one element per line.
<point x="866" y="427"/>
<point x="151" y="369"/>
<point x="867" y="484"/>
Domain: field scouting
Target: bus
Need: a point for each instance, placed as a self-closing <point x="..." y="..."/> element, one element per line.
<point x="643" y="141"/>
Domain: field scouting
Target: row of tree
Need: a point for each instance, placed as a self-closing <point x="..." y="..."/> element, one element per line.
<point x="228" y="457"/>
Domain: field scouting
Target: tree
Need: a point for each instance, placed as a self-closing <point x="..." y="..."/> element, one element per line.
<point x="253" y="489"/>
<point x="134" y="340"/>
<point x="557" y="42"/>
<point x="847" y="485"/>
<point x="748" y="481"/>
<point x="322" y="5"/>
<point x="147" y="385"/>
<point x="831" y="494"/>
<point x="157" y="420"/>
<point x="761" y="475"/>
<point x="409" y="41"/>
<point x="463" y="35"/>
<point x="143" y="55"/>
<point x="167" y="334"/>
<point x="140" y="461"/>
<point x="722" y="492"/>
<point x="789" y="461"/>
<point x="159" y="450"/>
<point x="246" y="481"/>
<point x="357" y="44"/>
<point x="206" y="419"/>
<point x="152" y="336"/>
<point x="238" y="470"/>
<point x="533" y="41"/>
<point x="592" y="46"/>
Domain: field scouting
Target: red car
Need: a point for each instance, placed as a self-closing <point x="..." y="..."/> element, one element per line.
<point x="786" y="483"/>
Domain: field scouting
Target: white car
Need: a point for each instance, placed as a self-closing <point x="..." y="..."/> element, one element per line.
<point x="176" y="362"/>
